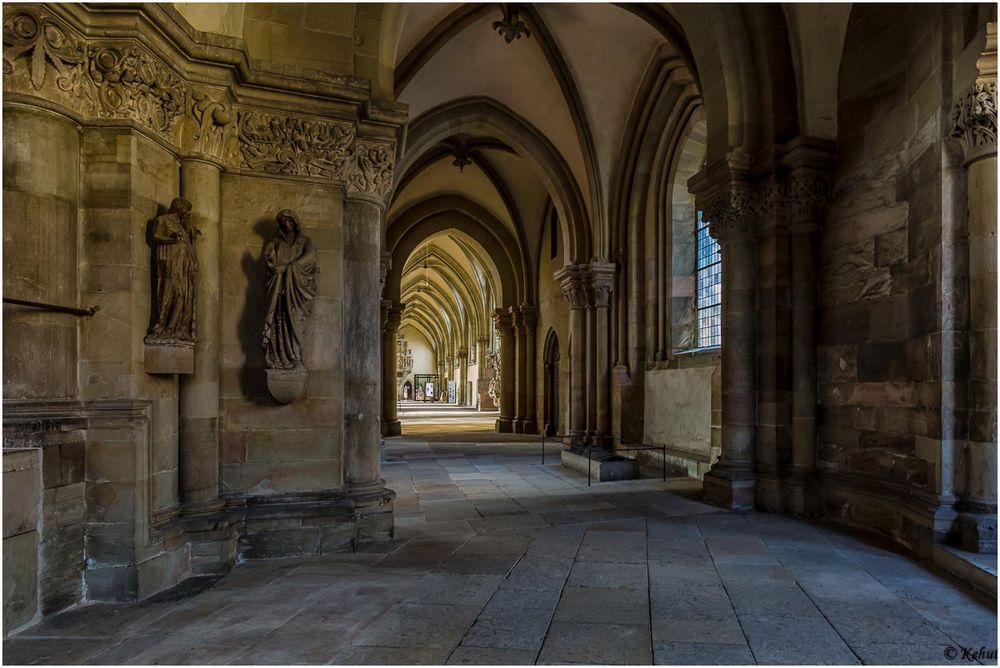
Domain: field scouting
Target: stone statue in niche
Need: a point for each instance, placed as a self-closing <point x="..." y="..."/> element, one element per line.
<point x="291" y="285"/>
<point x="171" y="336"/>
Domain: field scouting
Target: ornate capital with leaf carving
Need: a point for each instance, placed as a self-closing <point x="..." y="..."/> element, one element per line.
<point x="732" y="214"/>
<point x="805" y="197"/>
<point x="503" y="321"/>
<point x="370" y="170"/>
<point x="974" y="120"/>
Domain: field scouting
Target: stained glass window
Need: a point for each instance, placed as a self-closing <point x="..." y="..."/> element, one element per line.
<point x="709" y="286"/>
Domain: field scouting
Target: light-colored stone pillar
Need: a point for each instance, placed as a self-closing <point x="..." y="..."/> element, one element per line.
<point x="602" y="276"/>
<point x="975" y="123"/>
<point x="362" y="349"/>
<point x="392" y="315"/>
<point x="804" y="199"/>
<point x="521" y="367"/>
<point x="733" y="221"/>
<point x="529" y="320"/>
<point x="503" y="322"/>
<point x="463" y="375"/>
<point x="575" y="291"/>
<point x="198" y="439"/>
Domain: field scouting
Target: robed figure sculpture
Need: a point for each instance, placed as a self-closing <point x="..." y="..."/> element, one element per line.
<point x="291" y="285"/>
<point x="174" y="270"/>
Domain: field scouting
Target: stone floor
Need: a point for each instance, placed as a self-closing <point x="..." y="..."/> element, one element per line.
<point x="499" y="559"/>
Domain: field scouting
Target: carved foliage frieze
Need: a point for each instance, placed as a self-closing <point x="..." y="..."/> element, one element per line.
<point x="131" y="83"/>
<point x="111" y="80"/>
<point x="294" y="146"/>
<point x="974" y="118"/>
<point x="372" y="168"/>
<point x="40" y="54"/>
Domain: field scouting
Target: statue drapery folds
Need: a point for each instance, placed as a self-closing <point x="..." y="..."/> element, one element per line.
<point x="291" y="265"/>
<point x="173" y="321"/>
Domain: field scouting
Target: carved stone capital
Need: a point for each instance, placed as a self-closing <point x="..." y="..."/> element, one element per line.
<point x="573" y="282"/>
<point x="462" y="354"/>
<point x="393" y="316"/>
<point x="805" y="197"/>
<point x="974" y="120"/>
<point x="733" y="213"/>
<point x="370" y="170"/>
<point x="529" y="316"/>
<point x="503" y="322"/>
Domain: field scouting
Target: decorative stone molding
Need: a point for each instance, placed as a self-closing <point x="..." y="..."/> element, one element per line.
<point x="575" y="293"/>
<point x="974" y="120"/>
<point x="511" y="26"/>
<point x="503" y="321"/>
<point x="601" y="281"/>
<point x="805" y="197"/>
<point x="294" y="146"/>
<point x="67" y="59"/>
<point x="732" y="214"/>
<point x="371" y="169"/>
<point x="206" y="128"/>
<point x="529" y="314"/>
<point x="108" y="79"/>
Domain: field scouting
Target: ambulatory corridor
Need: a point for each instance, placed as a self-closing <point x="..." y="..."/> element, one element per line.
<point x="498" y="559"/>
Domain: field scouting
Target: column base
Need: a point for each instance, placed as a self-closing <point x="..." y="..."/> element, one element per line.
<point x="212" y="537"/>
<point x="530" y="426"/>
<point x="391" y="428"/>
<point x="976" y="532"/>
<point x="518" y="426"/>
<point x="374" y="513"/>
<point x="729" y="488"/>
<point x="505" y="425"/>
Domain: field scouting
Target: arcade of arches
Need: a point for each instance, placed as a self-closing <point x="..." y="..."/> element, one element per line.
<point x="761" y="238"/>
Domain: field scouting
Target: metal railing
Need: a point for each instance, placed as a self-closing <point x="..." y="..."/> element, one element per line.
<point x="72" y="310"/>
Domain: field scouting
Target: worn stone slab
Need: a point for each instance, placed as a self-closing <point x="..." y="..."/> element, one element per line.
<point x="538" y="573"/>
<point x="792" y="639"/>
<point x="615" y="644"/>
<point x="700" y="654"/>
<point x="604" y="575"/>
<point x="419" y="626"/>
<point x="393" y="656"/>
<point x="454" y="589"/>
<point x="491" y="656"/>
<point x="521" y="629"/>
<point x="684" y="601"/>
<point x="725" y="631"/>
<point x="624" y="606"/>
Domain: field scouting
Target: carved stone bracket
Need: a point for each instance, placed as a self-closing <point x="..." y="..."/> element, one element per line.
<point x="529" y="315"/>
<point x="503" y="321"/>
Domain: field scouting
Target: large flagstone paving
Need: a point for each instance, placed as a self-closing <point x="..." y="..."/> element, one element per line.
<point x="501" y="560"/>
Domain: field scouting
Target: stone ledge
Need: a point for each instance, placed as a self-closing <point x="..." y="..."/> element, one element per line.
<point x="979" y="570"/>
<point x="603" y="465"/>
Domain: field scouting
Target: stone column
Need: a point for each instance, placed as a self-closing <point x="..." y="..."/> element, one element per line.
<point x="502" y="321"/>
<point x="575" y="291"/>
<point x="529" y="320"/>
<point x="463" y="375"/>
<point x="198" y="438"/>
<point x="362" y="399"/>
<point x="390" y="325"/>
<point x="732" y="221"/>
<point x="804" y="199"/>
<point x="521" y="366"/>
<point x="975" y="123"/>
<point x="602" y="276"/>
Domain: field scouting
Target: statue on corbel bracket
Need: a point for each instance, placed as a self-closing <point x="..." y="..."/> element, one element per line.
<point x="171" y="336"/>
<point x="291" y="285"/>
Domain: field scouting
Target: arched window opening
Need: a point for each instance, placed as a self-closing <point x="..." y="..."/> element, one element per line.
<point x="709" y="286"/>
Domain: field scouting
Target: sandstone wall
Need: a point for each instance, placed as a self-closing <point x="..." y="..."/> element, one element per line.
<point x="879" y="303"/>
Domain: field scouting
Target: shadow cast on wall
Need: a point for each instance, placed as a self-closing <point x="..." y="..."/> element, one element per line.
<point x="252" y="377"/>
